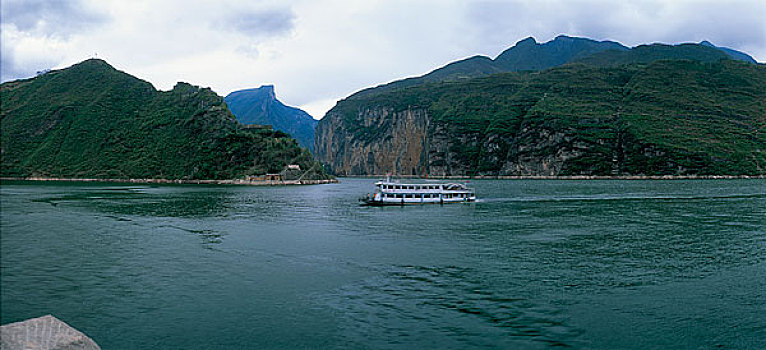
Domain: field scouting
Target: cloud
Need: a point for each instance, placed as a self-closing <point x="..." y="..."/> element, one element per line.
<point x="738" y="24"/>
<point x="319" y="51"/>
<point x="34" y="32"/>
<point x="51" y="17"/>
<point x="260" y="23"/>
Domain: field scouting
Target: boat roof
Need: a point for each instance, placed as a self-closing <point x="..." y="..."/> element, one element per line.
<point x="446" y="184"/>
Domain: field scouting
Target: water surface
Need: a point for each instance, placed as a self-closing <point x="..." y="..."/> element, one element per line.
<point x="534" y="264"/>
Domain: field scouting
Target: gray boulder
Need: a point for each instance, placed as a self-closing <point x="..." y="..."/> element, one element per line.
<point x="44" y="333"/>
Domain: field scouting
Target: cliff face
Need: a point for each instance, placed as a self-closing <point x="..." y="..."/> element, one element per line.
<point x="398" y="148"/>
<point x="664" y="118"/>
<point x="412" y="144"/>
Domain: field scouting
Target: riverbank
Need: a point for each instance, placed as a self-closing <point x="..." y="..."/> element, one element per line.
<point x="168" y="181"/>
<point x="573" y="177"/>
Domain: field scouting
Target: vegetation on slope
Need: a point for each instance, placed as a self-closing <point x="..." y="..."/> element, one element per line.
<point x="667" y="117"/>
<point x="90" y="120"/>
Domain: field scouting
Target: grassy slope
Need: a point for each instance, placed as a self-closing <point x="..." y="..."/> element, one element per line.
<point x="91" y="120"/>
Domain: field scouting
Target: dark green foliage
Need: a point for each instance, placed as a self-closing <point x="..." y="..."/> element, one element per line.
<point x="91" y="120"/>
<point x="529" y="55"/>
<point x="668" y="117"/>
<point x="654" y="52"/>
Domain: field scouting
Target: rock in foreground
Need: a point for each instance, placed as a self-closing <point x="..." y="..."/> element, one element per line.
<point x="45" y="332"/>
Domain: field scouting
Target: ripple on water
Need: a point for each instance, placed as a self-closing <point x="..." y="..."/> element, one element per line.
<point x="450" y="307"/>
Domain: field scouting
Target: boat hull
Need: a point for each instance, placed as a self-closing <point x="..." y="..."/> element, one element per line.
<point x="385" y="203"/>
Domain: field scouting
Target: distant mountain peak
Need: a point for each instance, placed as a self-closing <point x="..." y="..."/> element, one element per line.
<point x="269" y="91"/>
<point x="93" y="61"/>
<point x="527" y="41"/>
<point x="266" y="91"/>
<point x="261" y="106"/>
<point x="529" y="55"/>
<point x="734" y="54"/>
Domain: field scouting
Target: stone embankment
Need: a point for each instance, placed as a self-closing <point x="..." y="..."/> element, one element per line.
<point x="44" y="333"/>
<point x="193" y="182"/>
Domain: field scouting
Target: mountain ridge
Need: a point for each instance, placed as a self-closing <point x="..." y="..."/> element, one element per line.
<point x="528" y="54"/>
<point x="93" y="121"/>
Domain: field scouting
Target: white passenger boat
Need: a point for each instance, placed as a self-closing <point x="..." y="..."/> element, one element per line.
<point x="394" y="193"/>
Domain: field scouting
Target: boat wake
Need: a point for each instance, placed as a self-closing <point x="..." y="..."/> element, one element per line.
<point x="623" y="198"/>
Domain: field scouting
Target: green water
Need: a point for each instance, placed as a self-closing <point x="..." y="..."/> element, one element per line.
<point x="533" y="264"/>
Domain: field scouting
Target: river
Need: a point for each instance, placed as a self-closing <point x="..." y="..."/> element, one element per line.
<point x="599" y="264"/>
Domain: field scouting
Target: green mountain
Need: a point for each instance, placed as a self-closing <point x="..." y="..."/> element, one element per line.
<point x="260" y="106"/>
<point x="617" y="112"/>
<point x="654" y="52"/>
<point x="90" y="120"/>
<point x="529" y="55"/>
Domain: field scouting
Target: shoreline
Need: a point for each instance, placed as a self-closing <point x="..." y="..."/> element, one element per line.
<point x="243" y="182"/>
<point x="568" y="177"/>
<point x="184" y="182"/>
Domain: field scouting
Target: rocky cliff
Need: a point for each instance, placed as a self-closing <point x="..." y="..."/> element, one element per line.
<point x="399" y="149"/>
<point x="669" y="117"/>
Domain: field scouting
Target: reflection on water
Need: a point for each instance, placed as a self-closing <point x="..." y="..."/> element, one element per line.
<point x="532" y="264"/>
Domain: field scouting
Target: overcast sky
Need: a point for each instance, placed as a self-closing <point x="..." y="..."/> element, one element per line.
<point x="316" y="52"/>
